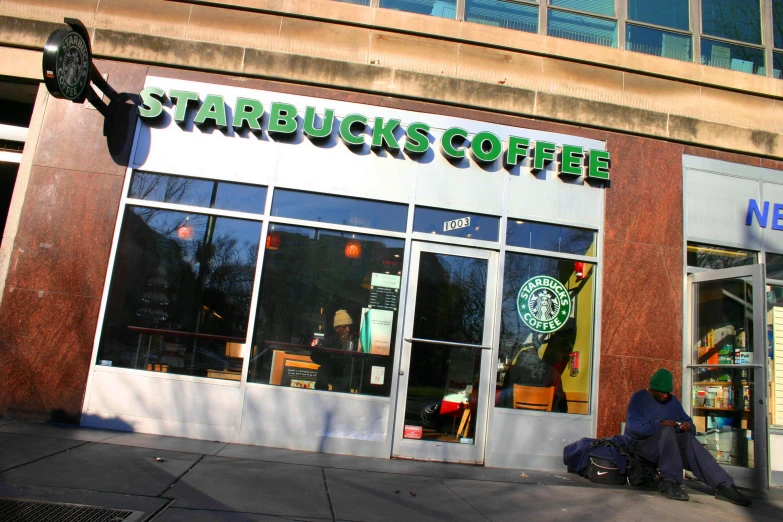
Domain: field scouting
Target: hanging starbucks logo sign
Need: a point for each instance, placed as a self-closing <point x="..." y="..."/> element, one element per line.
<point x="66" y="64"/>
<point x="544" y="304"/>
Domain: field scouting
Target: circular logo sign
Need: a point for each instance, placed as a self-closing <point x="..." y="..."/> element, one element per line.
<point x="73" y="66"/>
<point x="66" y="65"/>
<point x="544" y="304"/>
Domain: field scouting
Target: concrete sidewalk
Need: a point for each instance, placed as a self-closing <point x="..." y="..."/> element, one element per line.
<point x="169" y="479"/>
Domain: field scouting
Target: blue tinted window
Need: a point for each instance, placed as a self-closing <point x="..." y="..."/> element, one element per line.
<point x="777" y="22"/>
<point x="499" y="13"/>
<point x="360" y="2"/>
<point x="441" y="8"/>
<point x="557" y="238"/>
<point x="604" y="7"/>
<point x="582" y="28"/>
<point x="454" y="223"/>
<point x="198" y="192"/>
<point x="668" y="13"/>
<point x="340" y="210"/>
<point x="734" y="19"/>
<point x="659" y="43"/>
<point x="734" y="57"/>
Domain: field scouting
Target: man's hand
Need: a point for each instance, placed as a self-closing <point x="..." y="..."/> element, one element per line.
<point x="685" y="426"/>
<point x="669" y="423"/>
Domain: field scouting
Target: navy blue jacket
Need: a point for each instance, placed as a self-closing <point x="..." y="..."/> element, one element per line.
<point x="645" y="414"/>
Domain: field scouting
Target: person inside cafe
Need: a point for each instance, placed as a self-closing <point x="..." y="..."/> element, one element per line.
<point x="334" y="372"/>
<point x="665" y="435"/>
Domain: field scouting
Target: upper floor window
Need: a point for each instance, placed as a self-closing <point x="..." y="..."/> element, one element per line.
<point x="441" y="8"/>
<point x="569" y="19"/>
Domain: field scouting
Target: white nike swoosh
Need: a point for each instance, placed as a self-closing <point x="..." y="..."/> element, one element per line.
<point x="602" y="473"/>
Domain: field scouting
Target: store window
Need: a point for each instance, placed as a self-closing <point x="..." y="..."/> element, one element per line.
<point x="339" y="210"/>
<point x="501" y="13"/>
<point x="453" y="223"/>
<point x="581" y="27"/>
<point x="197" y="192"/>
<point x="545" y="357"/>
<point x="441" y="8"/>
<point x="327" y="311"/>
<point x="180" y="293"/>
<point x="774" y="266"/>
<point x="555" y="238"/>
<point x="717" y="257"/>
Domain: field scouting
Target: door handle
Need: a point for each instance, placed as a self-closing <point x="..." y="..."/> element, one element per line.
<point x="446" y="343"/>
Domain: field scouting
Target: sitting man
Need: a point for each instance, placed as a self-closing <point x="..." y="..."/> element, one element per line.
<point x="665" y="435"/>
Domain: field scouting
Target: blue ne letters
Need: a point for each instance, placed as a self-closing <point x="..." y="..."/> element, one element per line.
<point x="762" y="214"/>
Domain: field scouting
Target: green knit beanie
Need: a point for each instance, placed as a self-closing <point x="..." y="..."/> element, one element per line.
<point x="662" y="381"/>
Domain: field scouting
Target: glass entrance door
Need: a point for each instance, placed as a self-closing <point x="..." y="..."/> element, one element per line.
<point x="443" y="388"/>
<point x="726" y="374"/>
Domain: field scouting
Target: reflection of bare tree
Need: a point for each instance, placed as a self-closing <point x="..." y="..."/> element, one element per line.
<point x="704" y="256"/>
<point x="734" y="19"/>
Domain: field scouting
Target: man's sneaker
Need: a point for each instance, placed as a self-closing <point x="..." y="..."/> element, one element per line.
<point x="730" y="493"/>
<point x="672" y="490"/>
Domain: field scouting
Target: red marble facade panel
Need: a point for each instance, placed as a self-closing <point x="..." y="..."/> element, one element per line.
<point x="620" y="377"/>
<point x="45" y="348"/>
<point x="72" y="135"/>
<point x="65" y="232"/>
<point x="642" y="301"/>
<point x="644" y="202"/>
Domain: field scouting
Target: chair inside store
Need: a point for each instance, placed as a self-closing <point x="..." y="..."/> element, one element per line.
<point x="533" y="398"/>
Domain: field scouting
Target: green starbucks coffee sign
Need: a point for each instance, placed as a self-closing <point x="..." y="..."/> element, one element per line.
<point x="356" y="130"/>
<point x="543" y="304"/>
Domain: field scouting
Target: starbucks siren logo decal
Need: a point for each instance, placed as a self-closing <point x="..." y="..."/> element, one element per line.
<point x="73" y="66"/>
<point x="544" y="304"/>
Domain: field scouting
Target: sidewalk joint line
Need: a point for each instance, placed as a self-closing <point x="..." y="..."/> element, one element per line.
<point x="440" y="479"/>
<point x="47" y="456"/>
<point x="328" y="495"/>
<point x="160" y="510"/>
<point x="182" y="475"/>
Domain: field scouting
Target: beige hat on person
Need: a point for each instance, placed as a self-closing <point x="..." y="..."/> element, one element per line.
<point x="342" y="318"/>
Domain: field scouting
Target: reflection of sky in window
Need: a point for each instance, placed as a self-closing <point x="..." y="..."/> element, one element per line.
<point x="499" y="13"/>
<point x="433" y="221"/>
<point x="198" y="192"/>
<point x="666" y="13"/>
<point x="340" y="210"/>
<point x="733" y="19"/>
<point x="582" y="28"/>
<point x="556" y="238"/>
<point x="441" y="8"/>
<point x="659" y="43"/>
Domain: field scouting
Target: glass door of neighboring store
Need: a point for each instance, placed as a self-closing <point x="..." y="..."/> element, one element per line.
<point x="726" y="374"/>
<point x="443" y="387"/>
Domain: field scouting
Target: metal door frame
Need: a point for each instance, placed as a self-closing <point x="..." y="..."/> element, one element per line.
<point x="431" y="450"/>
<point x="757" y="477"/>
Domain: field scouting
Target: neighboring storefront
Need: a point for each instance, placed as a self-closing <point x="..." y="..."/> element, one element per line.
<point x="734" y="312"/>
<point x="355" y="279"/>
